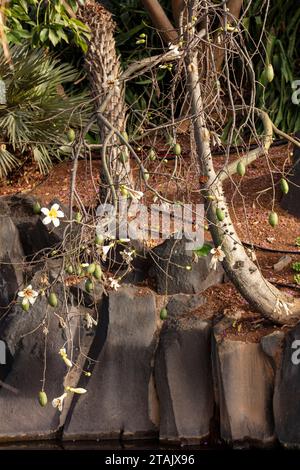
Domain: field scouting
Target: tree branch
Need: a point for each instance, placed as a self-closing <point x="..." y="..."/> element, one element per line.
<point x="161" y="21"/>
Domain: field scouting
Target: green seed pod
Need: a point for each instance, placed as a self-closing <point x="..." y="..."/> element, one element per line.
<point x="273" y="219"/>
<point x="123" y="191"/>
<point x="79" y="270"/>
<point x="152" y="155"/>
<point x="36" y="208"/>
<point x="163" y="313"/>
<point x="284" y="186"/>
<point x="146" y="175"/>
<point x="220" y="214"/>
<point x="69" y="269"/>
<point x="123" y="157"/>
<point x="52" y="300"/>
<point x="43" y="399"/>
<point x="89" y="286"/>
<point x="98" y="272"/>
<point x="78" y="217"/>
<point x="125" y="135"/>
<point x="241" y="169"/>
<point x="71" y="135"/>
<point x="91" y="268"/>
<point x="177" y="149"/>
<point x="26" y="306"/>
<point x="270" y="73"/>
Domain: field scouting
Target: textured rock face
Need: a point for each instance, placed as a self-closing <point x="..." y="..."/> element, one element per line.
<point x="286" y="396"/>
<point x="245" y="381"/>
<point x="21" y="416"/>
<point x="121" y="399"/>
<point x="170" y="257"/>
<point x="183" y="378"/>
<point x="34" y="235"/>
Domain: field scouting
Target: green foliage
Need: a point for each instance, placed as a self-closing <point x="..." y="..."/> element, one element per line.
<point x="45" y="23"/>
<point x="296" y="266"/>
<point x="297" y="241"/>
<point x="204" y="250"/>
<point x="280" y="47"/>
<point x="297" y="278"/>
<point x="36" y="118"/>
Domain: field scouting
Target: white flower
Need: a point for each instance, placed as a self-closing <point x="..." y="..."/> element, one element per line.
<point x="105" y="249"/>
<point x="135" y="195"/>
<point x="63" y="354"/>
<point x="127" y="255"/>
<point x="28" y="295"/>
<point x="59" y="401"/>
<point x="113" y="283"/>
<point x="52" y="215"/>
<point x="218" y="255"/>
<point x="175" y="49"/>
<point x="90" y="321"/>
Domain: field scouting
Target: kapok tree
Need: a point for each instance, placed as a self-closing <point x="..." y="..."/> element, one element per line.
<point x="208" y="34"/>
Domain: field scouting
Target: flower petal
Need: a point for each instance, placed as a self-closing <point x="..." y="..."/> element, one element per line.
<point x="60" y="214"/>
<point x="55" y="207"/>
<point x="45" y="211"/>
<point x="56" y="222"/>
<point x="47" y="220"/>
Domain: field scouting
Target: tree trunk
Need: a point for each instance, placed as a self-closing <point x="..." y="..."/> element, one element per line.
<point x="245" y="275"/>
<point x="103" y="69"/>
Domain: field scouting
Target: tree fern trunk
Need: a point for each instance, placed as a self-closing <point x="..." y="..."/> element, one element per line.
<point x="103" y="68"/>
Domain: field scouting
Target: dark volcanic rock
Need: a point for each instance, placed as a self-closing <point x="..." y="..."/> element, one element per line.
<point x="286" y="396"/>
<point x="121" y="398"/>
<point x="170" y="273"/>
<point x="11" y="262"/>
<point x="245" y="387"/>
<point x="34" y="235"/>
<point x="183" y="374"/>
<point x="21" y="416"/>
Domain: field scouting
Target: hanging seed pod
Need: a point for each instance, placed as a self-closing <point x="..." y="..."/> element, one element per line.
<point x="123" y="157"/>
<point x="78" y="217"/>
<point x="163" y="313"/>
<point x="270" y="73"/>
<point x="25" y="306"/>
<point x="146" y="175"/>
<point x="91" y="268"/>
<point x="273" y="219"/>
<point x="89" y="286"/>
<point x="152" y="155"/>
<point x="69" y="269"/>
<point x="99" y="239"/>
<point x="220" y="214"/>
<point x="284" y="186"/>
<point x="177" y="149"/>
<point x="125" y="135"/>
<point x="79" y="270"/>
<point x="123" y="191"/>
<point x="71" y="135"/>
<point x="98" y="272"/>
<point x="52" y="300"/>
<point x="43" y="399"/>
<point x="36" y="208"/>
<point x="241" y="169"/>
